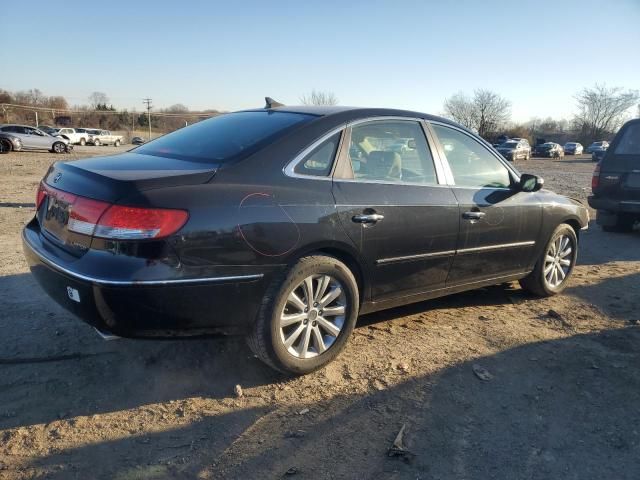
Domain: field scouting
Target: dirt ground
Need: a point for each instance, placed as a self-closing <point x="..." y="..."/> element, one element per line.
<point x="562" y="400"/>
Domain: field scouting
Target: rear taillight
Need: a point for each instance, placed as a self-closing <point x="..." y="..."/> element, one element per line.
<point x="40" y="195"/>
<point x="595" y="179"/>
<point x="130" y="223"/>
<point x="105" y="220"/>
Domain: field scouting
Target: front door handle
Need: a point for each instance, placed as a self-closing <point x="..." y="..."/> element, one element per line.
<point x="370" y="218"/>
<point x="473" y="215"/>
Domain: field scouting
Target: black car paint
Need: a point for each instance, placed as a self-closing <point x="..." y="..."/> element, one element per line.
<point x="248" y="221"/>
<point x="615" y="193"/>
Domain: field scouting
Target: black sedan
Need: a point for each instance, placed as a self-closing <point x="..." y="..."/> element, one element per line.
<point x="286" y="223"/>
<point x="549" y="149"/>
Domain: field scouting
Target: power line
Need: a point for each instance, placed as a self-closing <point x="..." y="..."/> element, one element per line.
<point x="147" y="102"/>
<point x="7" y="106"/>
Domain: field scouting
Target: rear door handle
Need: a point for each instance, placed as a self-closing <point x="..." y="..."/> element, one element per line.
<point x="473" y="215"/>
<point x="370" y="218"/>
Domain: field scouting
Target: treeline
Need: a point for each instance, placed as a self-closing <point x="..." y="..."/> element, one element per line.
<point x="31" y="107"/>
<point x="601" y="111"/>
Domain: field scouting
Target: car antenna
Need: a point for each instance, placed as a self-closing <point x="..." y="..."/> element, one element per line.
<point x="271" y="103"/>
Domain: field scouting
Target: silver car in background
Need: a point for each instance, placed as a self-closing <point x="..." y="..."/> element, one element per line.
<point x="33" y="138"/>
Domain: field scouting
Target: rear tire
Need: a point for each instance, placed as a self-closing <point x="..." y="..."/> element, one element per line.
<point x="555" y="265"/>
<point x="5" y="146"/>
<point x="624" y="224"/>
<point x="294" y="333"/>
<point x="83" y="142"/>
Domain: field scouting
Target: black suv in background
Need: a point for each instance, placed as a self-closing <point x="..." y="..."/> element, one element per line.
<point x="616" y="181"/>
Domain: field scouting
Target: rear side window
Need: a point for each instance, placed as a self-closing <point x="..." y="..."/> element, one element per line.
<point x="320" y="160"/>
<point x="224" y="137"/>
<point x="471" y="163"/>
<point x="391" y="151"/>
<point x="629" y="143"/>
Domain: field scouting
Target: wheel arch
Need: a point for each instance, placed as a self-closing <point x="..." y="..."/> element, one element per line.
<point x="343" y="252"/>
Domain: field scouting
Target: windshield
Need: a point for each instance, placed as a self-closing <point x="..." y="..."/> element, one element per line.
<point x="569" y="144"/>
<point x="509" y="145"/>
<point x="597" y="144"/>
<point x="224" y="137"/>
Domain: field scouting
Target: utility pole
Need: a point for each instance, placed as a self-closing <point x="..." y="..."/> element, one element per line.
<point x="147" y="102"/>
<point x="36" y="119"/>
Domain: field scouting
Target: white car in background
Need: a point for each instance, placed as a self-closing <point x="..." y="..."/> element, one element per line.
<point x="103" y="137"/>
<point x="76" y="137"/>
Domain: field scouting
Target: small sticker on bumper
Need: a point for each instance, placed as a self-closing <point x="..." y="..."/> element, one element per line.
<point x="73" y="294"/>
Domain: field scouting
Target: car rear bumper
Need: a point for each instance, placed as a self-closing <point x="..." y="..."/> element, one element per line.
<point x="624" y="206"/>
<point x="225" y="304"/>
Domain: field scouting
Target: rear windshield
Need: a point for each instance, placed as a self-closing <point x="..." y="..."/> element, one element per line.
<point x="225" y="137"/>
<point x="629" y="144"/>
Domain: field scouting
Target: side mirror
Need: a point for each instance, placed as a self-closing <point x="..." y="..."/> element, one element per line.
<point x="411" y="144"/>
<point x="530" y="183"/>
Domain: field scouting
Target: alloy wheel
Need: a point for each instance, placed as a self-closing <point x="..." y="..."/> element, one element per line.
<point x="558" y="261"/>
<point x="313" y="316"/>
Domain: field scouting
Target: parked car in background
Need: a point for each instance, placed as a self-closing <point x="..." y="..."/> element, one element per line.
<point x="76" y="137"/>
<point x="514" y="150"/>
<point x="597" y="155"/>
<point x="9" y="143"/>
<point x="616" y="181"/>
<point x="138" y="141"/>
<point x="548" y="149"/>
<point x="573" y="148"/>
<point x="104" y="137"/>
<point x="263" y="223"/>
<point x="35" y="139"/>
<point x="595" y="146"/>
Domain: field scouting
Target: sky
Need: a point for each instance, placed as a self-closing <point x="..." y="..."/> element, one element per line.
<point x="401" y="54"/>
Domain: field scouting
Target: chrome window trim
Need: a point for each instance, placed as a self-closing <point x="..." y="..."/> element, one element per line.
<point x="104" y="281"/>
<point x="290" y="167"/>
<point x="484" y="144"/>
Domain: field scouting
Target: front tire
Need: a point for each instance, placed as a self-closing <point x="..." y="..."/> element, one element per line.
<point x="306" y="316"/>
<point x="555" y="265"/>
<point x="59" y="147"/>
<point x="116" y="143"/>
<point x="97" y="142"/>
<point x="83" y="142"/>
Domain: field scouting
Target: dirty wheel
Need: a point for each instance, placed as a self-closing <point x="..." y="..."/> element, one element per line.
<point x="83" y="142"/>
<point x="307" y="317"/>
<point x="97" y="142"/>
<point x="555" y="265"/>
<point x="116" y="143"/>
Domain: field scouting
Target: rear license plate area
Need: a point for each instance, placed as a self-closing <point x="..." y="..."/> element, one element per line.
<point x="56" y="217"/>
<point x="633" y="180"/>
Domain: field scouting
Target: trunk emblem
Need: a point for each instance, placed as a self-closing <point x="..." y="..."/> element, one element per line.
<point x="57" y="178"/>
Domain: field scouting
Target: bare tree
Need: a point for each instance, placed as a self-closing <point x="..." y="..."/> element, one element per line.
<point x="98" y="98"/>
<point x="318" y="97"/>
<point x="460" y="108"/>
<point x="177" y="108"/>
<point x="485" y="113"/>
<point x="602" y="110"/>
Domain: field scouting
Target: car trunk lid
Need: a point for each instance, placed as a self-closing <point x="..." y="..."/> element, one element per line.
<point x="106" y="179"/>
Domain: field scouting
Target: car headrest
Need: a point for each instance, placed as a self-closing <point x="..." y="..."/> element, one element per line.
<point x="381" y="164"/>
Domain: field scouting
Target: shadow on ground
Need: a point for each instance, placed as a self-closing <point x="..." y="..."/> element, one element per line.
<point x="554" y="409"/>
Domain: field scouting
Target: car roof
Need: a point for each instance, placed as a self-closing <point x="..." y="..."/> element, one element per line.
<point x="356" y="112"/>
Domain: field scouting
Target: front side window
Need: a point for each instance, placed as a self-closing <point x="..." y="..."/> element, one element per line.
<point x="471" y="163"/>
<point x="224" y="137"/>
<point x="391" y="151"/>
<point x="319" y="161"/>
<point x="629" y="144"/>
